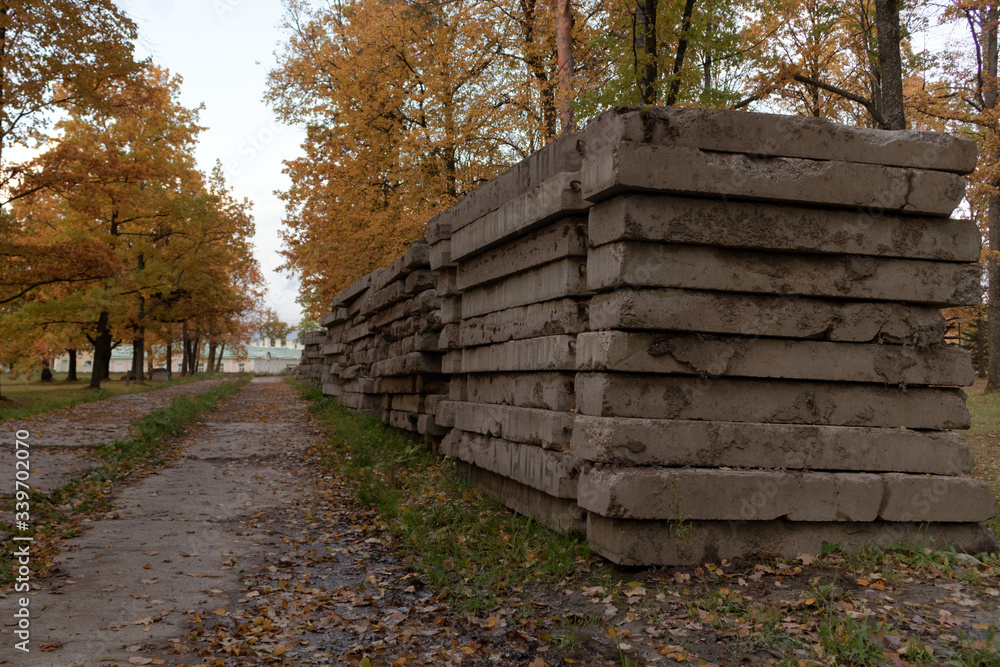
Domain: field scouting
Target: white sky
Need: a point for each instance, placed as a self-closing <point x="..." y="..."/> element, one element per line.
<point x="224" y="49"/>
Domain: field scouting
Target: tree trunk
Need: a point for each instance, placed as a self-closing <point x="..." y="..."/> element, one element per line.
<point x="184" y="349"/>
<point x="564" y="58"/>
<point x="646" y="44"/>
<point x="212" y="348"/>
<point x="102" y="350"/>
<point x="170" y="359"/>
<point x="139" y="354"/>
<point x="682" y="44"/>
<point x="989" y="38"/>
<point x="890" y="64"/>
<point x="218" y="364"/>
<point x="71" y="375"/>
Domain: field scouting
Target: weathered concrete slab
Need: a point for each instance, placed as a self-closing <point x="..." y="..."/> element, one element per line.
<point x="411" y="384"/>
<point x="556" y="198"/>
<point x="563" y="154"/>
<point x="334" y="349"/>
<point x="336" y="316"/>
<point x="439" y="228"/>
<point x="441" y="255"/>
<point x="334" y="389"/>
<point x="758" y="315"/>
<point x="637" y="543"/>
<point x="548" y="353"/>
<point x="760" y="495"/>
<point x="428" y="426"/>
<point x="409" y="364"/>
<point x="422" y="342"/>
<point x="548" y="318"/>
<point x="771" y="401"/>
<point x="730" y="131"/>
<point x="418" y="281"/>
<point x="406" y="421"/>
<point x="451" y="309"/>
<point x="554" y="473"/>
<point x="447" y="284"/>
<point x="633" y="167"/>
<point x="445" y="415"/>
<point x="560" y="514"/>
<point x="628" y="264"/>
<point x="566" y="238"/>
<point x="449" y="338"/>
<point x="729" y="495"/>
<point x="704" y="354"/>
<point x="674" y="442"/>
<point x="566" y="277"/>
<point x="753" y="226"/>
<point x="456" y="388"/>
<point x="934" y="498"/>
<point x="547" y="391"/>
<point x="451" y="362"/>
<point x="369" y="403"/>
<point x="542" y="428"/>
<point x="405" y="402"/>
<point x="352" y="291"/>
<point x="357" y="332"/>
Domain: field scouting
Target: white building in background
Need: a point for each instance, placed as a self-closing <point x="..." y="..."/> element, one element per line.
<point x="265" y="359"/>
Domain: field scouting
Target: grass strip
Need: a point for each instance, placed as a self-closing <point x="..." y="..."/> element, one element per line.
<point x="56" y="515"/>
<point x="461" y="542"/>
<point x="23" y="401"/>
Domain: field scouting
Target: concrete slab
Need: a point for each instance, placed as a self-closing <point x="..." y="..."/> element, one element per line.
<point x="758" y="315"/>
<point x="731" y="495"/>
<point x="628" y="264"/>
<point x="560" y="514"/>
<point x="554" y="473"/>
<point x="409" y="364"/>
<point x="566" y="238"/>
<point x="548" y="353"/>
<point x="557" y="198"/>
<point x="566" y="277"/>
<point x="760" y="495"/>
<point x="771" y="401"/>
<point x="732" y="356"/>
<point x="563" y="154"/>
<point x="725" y="130"/>
<point x="548" y="318"/>
<point x="754" y="226"/>
<point x="546" y="391"/>
<point x="674" y="442"/>
<point x="639" y="543"/>
<point x="542" y="428"/>
<point x="632" y="167"/>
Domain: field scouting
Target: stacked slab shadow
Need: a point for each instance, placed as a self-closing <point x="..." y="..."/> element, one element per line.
<point x="692" y="334"/>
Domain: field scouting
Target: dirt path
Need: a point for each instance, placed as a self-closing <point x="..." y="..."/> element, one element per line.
<point x="61" y="441"/>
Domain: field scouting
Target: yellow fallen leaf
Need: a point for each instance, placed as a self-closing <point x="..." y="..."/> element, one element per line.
<point x="220" y="612"/>
<point x="863" y="582"/>
<point x="147" y="566"/>
<point x="365" y="662"/>
<point x="278" y="650"/>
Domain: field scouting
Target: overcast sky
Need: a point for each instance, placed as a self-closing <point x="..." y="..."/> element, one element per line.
<point x="224" y="49"/>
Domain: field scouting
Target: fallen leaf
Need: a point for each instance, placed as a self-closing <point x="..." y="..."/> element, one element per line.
<point x="140" y="661"/>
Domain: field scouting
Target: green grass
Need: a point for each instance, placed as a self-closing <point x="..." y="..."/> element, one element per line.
<point x="459" y="540"/>
<point x="55" y="515"/>
<point x="25" y="399"/>
<point x="984" y="440"/>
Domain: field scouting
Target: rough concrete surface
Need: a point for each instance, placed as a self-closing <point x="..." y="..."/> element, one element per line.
<point x="631" y="167"/>
<point x="764" y="315"/>
<point x="630" y="264"/>
<point x="704" y="354"/>
<point x="725" y="130"/>
<point x="755" y="226"/>
<point x="772" y="401"/>
<point x="678" y="442"/>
